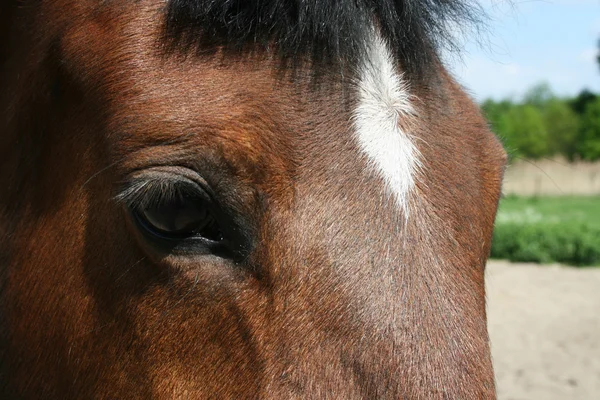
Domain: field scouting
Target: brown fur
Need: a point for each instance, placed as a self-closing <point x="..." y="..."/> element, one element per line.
<point x="338" y="298"/>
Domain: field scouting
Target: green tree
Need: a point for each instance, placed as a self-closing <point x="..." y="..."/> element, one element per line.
<point x="539" y="95"/>
<point x="527" y="132"/>
<point x="590" y="132"/>
<point x="580" y="103"/>
<point x="543" y="124"/>
<point x="562" y="125"/>
<point x="495" y="110"/>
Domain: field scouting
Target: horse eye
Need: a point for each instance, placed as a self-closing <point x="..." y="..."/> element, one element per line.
<point x="180" y="218"/>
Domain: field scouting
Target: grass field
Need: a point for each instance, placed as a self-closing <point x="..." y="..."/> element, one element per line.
<point x="556" y="210"/>
<point x="548" y="229"/>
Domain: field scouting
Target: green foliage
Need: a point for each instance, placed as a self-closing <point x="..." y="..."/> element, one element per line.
<point x="563" y="128"/>
<point x="580" y="103"/>
<point x="590" y="132"/>
<point x="539" y="95"/>
<point x="548" y="230"/>
<point x="569" y="243"/>
<point x="521" y="128"/>
<point x="527" y="131"/>
<point x="543" y="125"/>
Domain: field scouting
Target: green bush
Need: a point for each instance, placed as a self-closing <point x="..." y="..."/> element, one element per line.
<point x="574" y="243"/>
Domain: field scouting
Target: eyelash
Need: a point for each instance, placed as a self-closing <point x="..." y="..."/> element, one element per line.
<point x="223" y="233"/>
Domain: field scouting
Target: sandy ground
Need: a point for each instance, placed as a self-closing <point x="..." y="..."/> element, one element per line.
<point x="544" y="324"/>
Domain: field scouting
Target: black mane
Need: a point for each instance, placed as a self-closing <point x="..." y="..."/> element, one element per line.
<point x="324" y="31"/>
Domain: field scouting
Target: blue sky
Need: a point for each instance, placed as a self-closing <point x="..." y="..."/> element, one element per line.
<point x="532" y="41"/>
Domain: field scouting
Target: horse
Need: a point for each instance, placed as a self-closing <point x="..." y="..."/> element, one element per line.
<point x="241" y="199"/>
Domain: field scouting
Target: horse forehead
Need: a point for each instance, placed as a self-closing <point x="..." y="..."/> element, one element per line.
<point x="252" y="106"/>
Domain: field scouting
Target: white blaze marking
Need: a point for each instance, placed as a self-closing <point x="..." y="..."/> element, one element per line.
<point x="383" y="100"/>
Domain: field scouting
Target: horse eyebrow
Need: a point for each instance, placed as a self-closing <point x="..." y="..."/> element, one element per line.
<point x="326" y="32"/>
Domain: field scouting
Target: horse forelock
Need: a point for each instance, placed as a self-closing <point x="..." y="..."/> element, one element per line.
<point x="324" y="32"/>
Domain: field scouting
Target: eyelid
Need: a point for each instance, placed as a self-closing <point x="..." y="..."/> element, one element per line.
<point x="161" y="184"/>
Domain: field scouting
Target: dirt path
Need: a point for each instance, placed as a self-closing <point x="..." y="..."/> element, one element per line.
<point x="544" y="324"/>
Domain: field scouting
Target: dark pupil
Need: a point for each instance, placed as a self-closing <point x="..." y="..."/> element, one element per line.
<point x="182" y="217"/>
